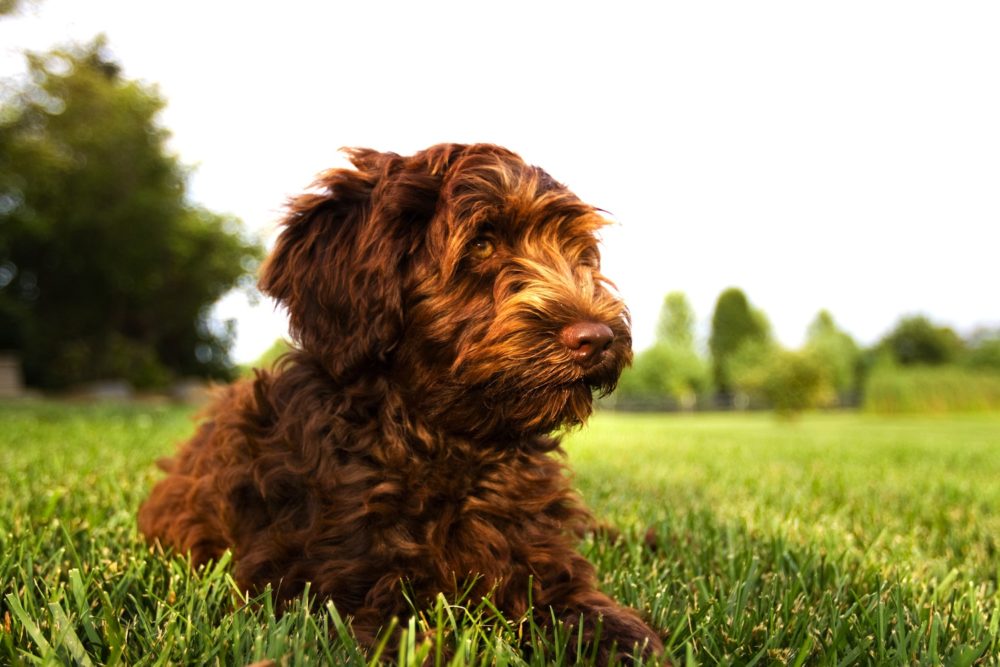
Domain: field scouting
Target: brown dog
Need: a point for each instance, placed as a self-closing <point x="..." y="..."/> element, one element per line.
<point x="450" y="314"/>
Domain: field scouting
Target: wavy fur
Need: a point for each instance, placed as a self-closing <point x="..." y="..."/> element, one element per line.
<point x="408" y="436"/>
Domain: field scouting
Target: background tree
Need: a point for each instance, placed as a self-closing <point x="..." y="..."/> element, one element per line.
<point x="687" y="374"/>
<point x="10" y="7"/>
<point x="917" y="340"/>
<point x="835" y="352"/>
<point x="734" y="325"/>
<point x="983" y="350"/>
<point x="677" y="321"/>
<point x="788" y="381"/>
<point x="671" y="368"/>
<point x="105" y="269"/>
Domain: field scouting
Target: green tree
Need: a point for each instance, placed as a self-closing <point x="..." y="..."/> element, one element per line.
<point x="677" y="321"/>
<point x="917" y="340"/>
<point x="671" y="368"/>
<point x="734" y="324"/>
<point x="835" y="351"/>
<point x="789" y="381"/>
<point x="983" y="351"/>
<point x="105" y="269"/>
<point x="664" y="372"/>
<point x="10" y="7"/>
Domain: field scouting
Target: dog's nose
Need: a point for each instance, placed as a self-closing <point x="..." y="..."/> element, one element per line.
<point x="586" y="340"/>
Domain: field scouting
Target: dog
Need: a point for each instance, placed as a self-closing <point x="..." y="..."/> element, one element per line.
<point x="449" y="316"/>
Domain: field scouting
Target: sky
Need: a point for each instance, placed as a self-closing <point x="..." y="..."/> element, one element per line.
<point x="842" y="155"/>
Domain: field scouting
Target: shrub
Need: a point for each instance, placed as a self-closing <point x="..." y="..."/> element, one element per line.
<point x="917" y="340"/>
<point x="789" y="381"/>
<point x="937" y="389"/>
<point x="664" y="372"/>
<point x="984" y="350"/>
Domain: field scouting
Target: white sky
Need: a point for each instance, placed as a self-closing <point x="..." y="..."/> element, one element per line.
<point x="838" y="155"/>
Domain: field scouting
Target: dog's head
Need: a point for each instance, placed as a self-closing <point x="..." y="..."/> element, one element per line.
<point x="465" y="277"/>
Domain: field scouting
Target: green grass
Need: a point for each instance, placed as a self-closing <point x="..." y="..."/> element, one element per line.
<point x="931" y="389"/>
<point x="835" y="539"/>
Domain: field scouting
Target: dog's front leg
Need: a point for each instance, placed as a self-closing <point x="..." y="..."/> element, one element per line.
<point x="614" y="632"/>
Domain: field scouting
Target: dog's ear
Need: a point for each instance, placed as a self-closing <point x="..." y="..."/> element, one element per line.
<point x="340" y="262"/>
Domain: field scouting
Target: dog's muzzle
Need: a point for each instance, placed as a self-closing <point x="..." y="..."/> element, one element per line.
<point x="586" y="341"/>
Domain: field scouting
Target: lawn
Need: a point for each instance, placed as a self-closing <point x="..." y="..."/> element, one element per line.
<point x="834" y="539"/>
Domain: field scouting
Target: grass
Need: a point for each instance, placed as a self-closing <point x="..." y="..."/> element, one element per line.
<point x="837" y="539"/>
<point x="931" y="389"/>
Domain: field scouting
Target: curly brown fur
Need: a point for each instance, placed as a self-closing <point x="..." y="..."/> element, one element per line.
<point x="406" y="440"/>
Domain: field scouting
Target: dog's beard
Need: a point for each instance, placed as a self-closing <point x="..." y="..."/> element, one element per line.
<point x="540" y="390"/>
<point x="501" y="368"/>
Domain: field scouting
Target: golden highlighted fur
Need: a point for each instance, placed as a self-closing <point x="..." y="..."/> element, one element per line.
<point x="449" y="314"/>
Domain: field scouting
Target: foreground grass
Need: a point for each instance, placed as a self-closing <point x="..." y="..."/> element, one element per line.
<point x="838" y="539"/>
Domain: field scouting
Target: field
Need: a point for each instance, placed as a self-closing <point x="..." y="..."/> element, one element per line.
<point x="834" y="539"/>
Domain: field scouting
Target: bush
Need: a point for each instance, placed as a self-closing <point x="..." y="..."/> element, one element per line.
<point x="984" y="350"/>
<point x="664" y="372"/>
<point x="917" y="340"/>
<point x="788" y="381"/>
<point x="939" y="389"/>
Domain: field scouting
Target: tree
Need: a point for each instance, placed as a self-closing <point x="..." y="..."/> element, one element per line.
<point x="835" y="351"/>
<point x="10" y="7"/>
<point x="734" y="324"/>
<point x="105" y="269"/>
<point x="789" y="381"/>
<point x="984" y="350"/>
<point x="671" y="368"/>
<point x="916" y="340"/>
<point x="676" y="323"/>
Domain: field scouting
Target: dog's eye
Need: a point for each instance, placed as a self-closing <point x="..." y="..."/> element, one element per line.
<point x="481" y="248"/>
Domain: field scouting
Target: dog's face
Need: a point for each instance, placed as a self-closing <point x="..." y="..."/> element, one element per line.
<point x="466" y="277"/>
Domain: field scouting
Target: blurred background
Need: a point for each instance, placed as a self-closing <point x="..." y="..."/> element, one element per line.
<point x="804" y="198"/>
